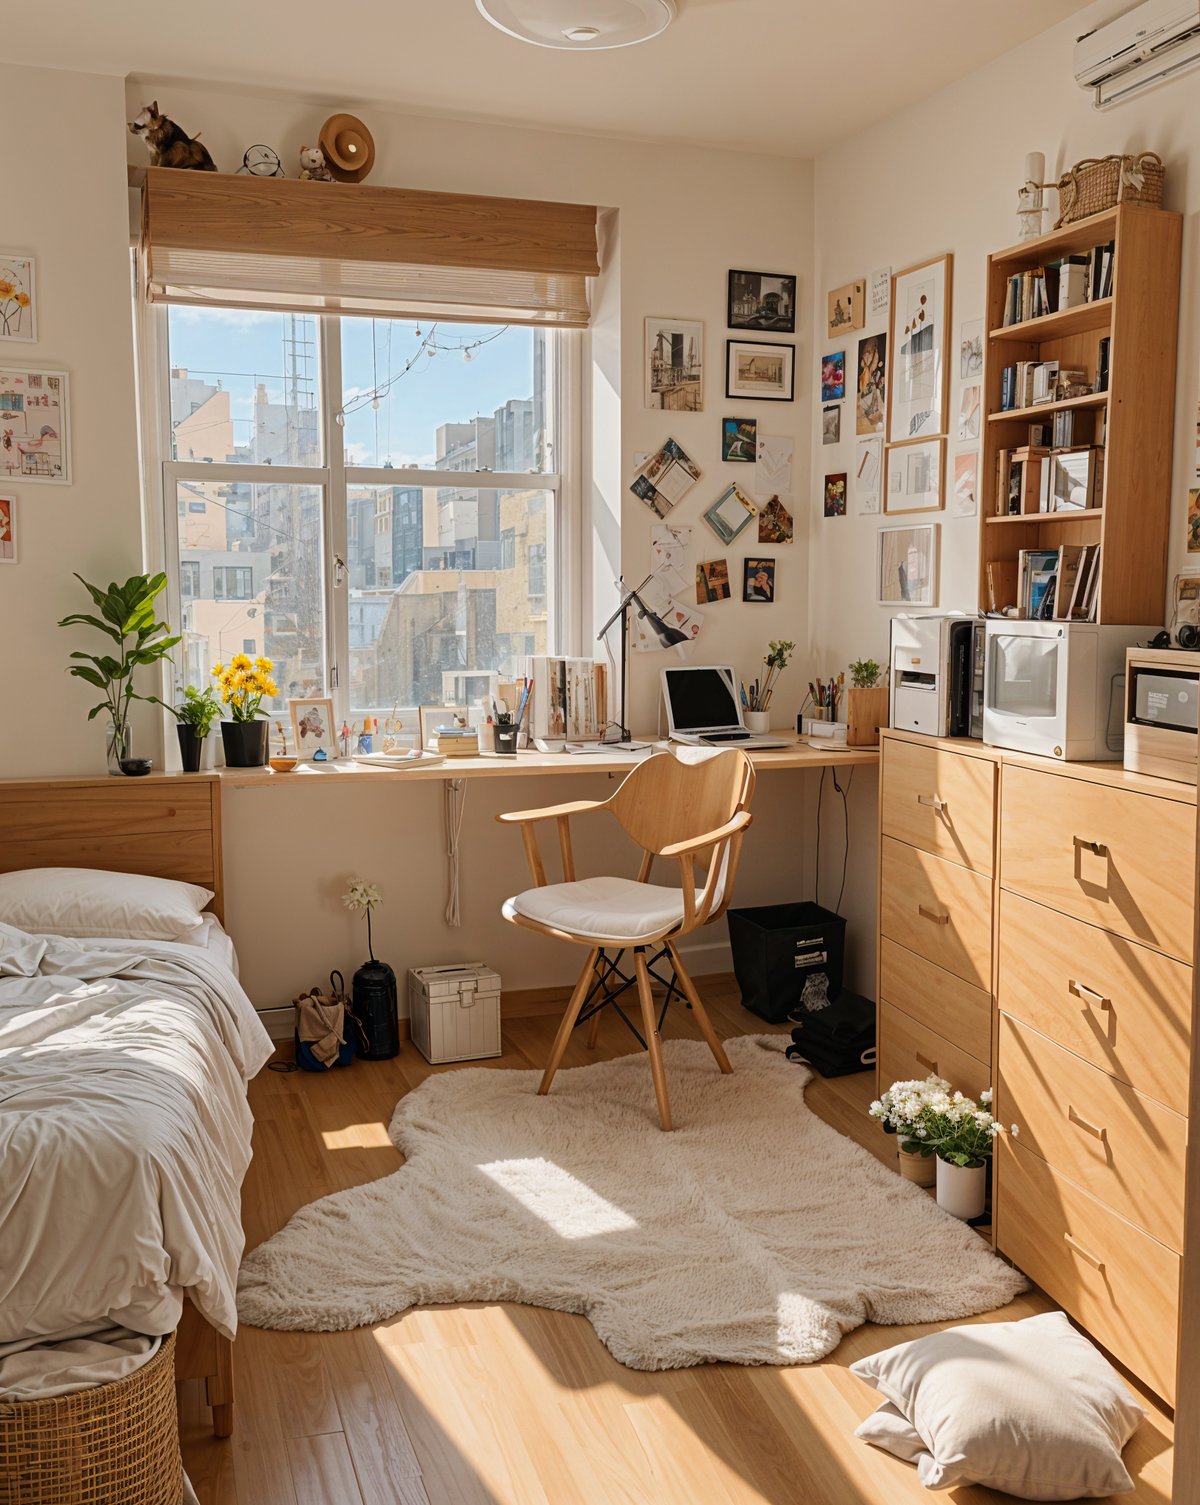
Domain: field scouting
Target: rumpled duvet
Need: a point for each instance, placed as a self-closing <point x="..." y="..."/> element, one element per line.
<point x="124" y="1135"/>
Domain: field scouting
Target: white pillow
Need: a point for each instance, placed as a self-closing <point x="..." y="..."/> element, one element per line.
<point x="87" y="901"/>
<point x="1029" y="1407"/>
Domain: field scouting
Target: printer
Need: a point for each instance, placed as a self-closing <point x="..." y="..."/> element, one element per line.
<point x="937" y="675"/>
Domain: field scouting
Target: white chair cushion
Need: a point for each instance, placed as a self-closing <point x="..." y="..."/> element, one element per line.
<point x="603" y="909"/>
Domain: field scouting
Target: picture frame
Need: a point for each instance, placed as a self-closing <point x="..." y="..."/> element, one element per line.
<point x="870" y="397"/>
<point x="35" y="426"/>
<point x="914" y="477"/>
<point x="919" y="351"/>
<point x="833" y="376"/>
<point x="18" y="298"/>
<point x="432" y="716"/>
<point x="665" y="477"/>
<point x="966" y="484"/>
<point x="831" y="424"/>
<point x="739" y="440"/>
<point x="730" y="513"/>
<point x="834" y="494"/>
<point x="712" y="581"/>
<point x="762" y="300"/>
<point x="906" y="560"/>
<point x="758" y="580"/>
<point x="846" y="309"/>
<point x="314" y="730"/>
<point x="674" y="365"/>
<point x="760" y="371"/>
<point x="9" y="548"/>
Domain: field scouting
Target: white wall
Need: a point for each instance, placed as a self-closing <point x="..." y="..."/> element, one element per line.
<point x="943" y="177"/>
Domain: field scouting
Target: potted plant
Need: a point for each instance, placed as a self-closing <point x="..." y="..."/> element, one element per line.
<point x="244" y="685"/>
<point x="963" y="1133"/>
<point x="194" y="716"/>
<point x="866" y="704"/>
<point x="126" y="616"/>
<point x="373" y="992"/>
<point x="758" y="709"/>
<point x="901" y="1110"/>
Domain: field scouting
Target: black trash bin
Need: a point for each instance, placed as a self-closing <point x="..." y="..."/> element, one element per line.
<point x="777" y="947"/>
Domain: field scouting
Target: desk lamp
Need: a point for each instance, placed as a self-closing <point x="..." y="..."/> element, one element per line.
<point x="668" y="637"/>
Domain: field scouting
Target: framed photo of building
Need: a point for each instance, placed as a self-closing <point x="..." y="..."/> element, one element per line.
<point x="762" y="300"/>
<point x="918" y="385"/>
<point x="914" y="477"/>
<point x="34" y="426"/>
<point x="765" y="373"/>
<point x="675" y="365"/>
<point x="907" y="565"/>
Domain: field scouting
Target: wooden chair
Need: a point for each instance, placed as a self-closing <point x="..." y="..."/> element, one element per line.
<point x="691" y="812"/>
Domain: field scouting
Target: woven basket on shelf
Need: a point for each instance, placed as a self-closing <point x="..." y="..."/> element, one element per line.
<point x="115" y="1444"/>
<point x="1100" y="183"/>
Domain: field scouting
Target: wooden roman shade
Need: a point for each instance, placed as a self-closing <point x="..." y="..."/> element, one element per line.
<point x="281" y="244"/>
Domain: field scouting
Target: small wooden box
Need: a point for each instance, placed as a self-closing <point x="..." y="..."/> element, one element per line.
<point x="866" y="712"/>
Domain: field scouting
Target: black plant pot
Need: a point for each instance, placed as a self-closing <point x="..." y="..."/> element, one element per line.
<point x="374" y="1006"/>
<point x="245" y="743"/>
<point x="191" y="747"/>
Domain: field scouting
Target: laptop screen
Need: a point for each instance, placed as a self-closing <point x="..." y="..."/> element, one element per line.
<point x="701" y="698"/>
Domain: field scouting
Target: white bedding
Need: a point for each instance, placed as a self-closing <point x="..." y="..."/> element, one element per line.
<point x="124" y="1135"/>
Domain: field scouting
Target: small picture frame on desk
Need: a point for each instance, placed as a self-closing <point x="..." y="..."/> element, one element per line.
<point x="433" y="716"/>
<point x="314" y="731"/>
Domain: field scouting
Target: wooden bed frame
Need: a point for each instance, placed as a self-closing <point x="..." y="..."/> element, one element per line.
<point x="166" y="826"/>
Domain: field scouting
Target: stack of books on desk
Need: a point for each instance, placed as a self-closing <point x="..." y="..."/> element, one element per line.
<point x="457" y="741"/>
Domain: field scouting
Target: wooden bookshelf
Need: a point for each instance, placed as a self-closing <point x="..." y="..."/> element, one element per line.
<point x="1131" y="520"/>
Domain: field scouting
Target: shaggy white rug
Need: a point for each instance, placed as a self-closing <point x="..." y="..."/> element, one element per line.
<point x="754" y="1233"/>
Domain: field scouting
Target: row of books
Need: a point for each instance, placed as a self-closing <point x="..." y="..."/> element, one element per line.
<point x="1029" y="384"/>
<point x="1058" y="285"/>
<point x="1059" y="585"/>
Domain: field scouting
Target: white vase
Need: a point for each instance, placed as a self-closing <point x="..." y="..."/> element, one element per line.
<point x="961" y="1189"/>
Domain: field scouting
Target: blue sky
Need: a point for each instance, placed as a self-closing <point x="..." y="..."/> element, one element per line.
<point x="239" y="349"/>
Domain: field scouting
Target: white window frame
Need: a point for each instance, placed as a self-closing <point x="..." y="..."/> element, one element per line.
<point x="565" y="552"/>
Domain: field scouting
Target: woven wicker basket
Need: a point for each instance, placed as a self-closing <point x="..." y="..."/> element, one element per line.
<point x="1100" y="183"/>
<point x="115" y="1444"/>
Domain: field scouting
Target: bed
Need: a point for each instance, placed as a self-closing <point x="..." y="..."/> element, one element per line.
<point x="186" y="1042"/>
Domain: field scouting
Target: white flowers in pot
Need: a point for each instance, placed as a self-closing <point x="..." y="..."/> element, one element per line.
<point x="956" y="1131"/>
<point x="901" y="1111"/>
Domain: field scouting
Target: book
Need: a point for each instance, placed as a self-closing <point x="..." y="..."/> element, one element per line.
<point x="1102" y="363"/>
<point x="1070" y="558"/>
<point x="1076" y="608"/>
<point x="1036" y="569"/>
<point x="1073" y="282"/>
<point x="1001" y="584"/>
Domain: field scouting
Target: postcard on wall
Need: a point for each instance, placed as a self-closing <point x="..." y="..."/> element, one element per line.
<point x="739" y="439"/>
<point x="868" y="471"/>
<point x="914" y="477"/>
<point x="1187" y="601"/>
<point x="846" y="309"/>
<point x="669" y="556"/>
<point x="835" y="495"/>
<point x="907" y="565"/>
<point x="918" y="348"/>
<point x="762" y="300"/>
<point x="969" y="408"/>
<point x="970" y="350"/>
<point x="665" y="478"/>
<point x="758" y="580"/>
<point x="880" y="292"/>
<point x="712" y="581"/>
<point x="831" y="424"/>
<point x="775" y="522"/>
<point x="18" y="298"/>
<point x="669" y="623"/>
<point x="966" y="484"/>
<point x="870" y="404"/>
<point x="773" y="472"/>
<point x="34" y="426"/>
<point x="833" y="376"/>
<point x="730" y="513"/>
<point x="8" y="530"/>
<point x="675" y="365"/>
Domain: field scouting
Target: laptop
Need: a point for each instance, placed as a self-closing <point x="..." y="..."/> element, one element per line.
<point x="705" y="710"/>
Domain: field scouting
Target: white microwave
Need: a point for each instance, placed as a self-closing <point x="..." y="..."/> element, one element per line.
<point x="1057" y="688"/>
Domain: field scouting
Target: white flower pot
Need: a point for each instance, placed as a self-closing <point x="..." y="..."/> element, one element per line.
<point x="757" y="722"/>
<point x="961" y="1190"/>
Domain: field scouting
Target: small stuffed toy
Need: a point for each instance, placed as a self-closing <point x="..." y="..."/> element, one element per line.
<point x="312" y="165"/>
<point x="168" y="144"/>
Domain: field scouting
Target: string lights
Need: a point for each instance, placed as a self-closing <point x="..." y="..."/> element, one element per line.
<point x="429" y="346"/>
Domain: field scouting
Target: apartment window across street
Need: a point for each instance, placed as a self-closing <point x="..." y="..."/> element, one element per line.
<point x="374" y="503"/>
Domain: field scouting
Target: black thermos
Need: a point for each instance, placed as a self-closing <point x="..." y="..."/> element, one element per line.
<point x="374" y="1006"/>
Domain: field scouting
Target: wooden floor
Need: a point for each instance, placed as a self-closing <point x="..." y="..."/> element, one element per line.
<point x="513" y="1405"/>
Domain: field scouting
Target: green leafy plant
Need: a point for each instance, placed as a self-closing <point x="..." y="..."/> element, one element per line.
<point x="198" y="709"/>
<point x="864" y="674"/>
<point x="127" y="616"/>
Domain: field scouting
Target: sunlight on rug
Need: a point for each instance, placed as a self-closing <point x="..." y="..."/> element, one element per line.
<point x="754" y="1233"/>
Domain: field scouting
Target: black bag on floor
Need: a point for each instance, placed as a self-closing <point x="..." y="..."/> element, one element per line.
<point x="837" y="1039"/>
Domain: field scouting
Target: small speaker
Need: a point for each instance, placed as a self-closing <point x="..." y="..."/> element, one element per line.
<point x="1188" y="636"/>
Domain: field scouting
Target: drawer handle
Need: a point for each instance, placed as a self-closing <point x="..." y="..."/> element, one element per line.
<point x="1083" y="1253"/>
<point x="932" y="914"/>
<point x="1082" y="1123"/>
<point x="926" y="1062"/>
<point x="1097" y="847"/>
<point x="1089" y="995"/>
<point x="933" y="802"/>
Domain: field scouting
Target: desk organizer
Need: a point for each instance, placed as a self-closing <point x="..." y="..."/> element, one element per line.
<point x="454" y="1012"/>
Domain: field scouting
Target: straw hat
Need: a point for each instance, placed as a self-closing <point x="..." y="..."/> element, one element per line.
<point x="349" y="148"/>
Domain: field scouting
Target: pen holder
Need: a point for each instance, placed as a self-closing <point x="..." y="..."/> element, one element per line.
<point x="504" y="739"/>
<point x="757" y="722"/>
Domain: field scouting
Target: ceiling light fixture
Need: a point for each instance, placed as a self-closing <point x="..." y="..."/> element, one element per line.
<point x="596" y="25"/>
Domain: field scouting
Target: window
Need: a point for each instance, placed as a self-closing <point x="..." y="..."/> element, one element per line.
<point x="421" y="458"/>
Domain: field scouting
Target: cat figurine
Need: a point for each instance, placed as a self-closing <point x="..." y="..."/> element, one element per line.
<point x="168" y="145"/>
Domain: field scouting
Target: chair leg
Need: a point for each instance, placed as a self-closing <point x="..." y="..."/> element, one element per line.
<point x="698" y="1009"/>
<point x="568" y="1021"/>
<point x="593" y="1033"/>
<point x="653" y="1038"/>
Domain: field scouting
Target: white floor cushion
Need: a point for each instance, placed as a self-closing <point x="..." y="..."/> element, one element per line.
<point x="603" y="909"/>
<point x="1029" y="1407"/>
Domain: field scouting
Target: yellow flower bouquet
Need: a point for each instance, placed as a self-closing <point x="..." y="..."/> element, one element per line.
<point x="244" y="684"/>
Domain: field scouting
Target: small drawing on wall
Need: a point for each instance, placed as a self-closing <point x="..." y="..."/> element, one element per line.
<point x="914" y="477"/>
<point x="868" y="471"/>
<point x="758" y="580"/>
<point x="34" y="433"/>
<point x="907" y="565"/>
<point x="847" y="309"/>
<point x="712" y="581"/>
<point x="966" y="484"/>
<point x="8" y="530"/>
<point x="833" y="376"/>
<point x="969" y="407"/>
<point x="18" y="298"/>
<point x="970" y="350"/>
<point x="831" y="425"/>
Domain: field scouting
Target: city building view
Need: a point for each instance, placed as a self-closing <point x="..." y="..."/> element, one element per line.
<point x="444" y="588"/>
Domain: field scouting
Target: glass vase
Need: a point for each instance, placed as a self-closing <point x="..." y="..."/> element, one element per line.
<point x="118" y="744"/>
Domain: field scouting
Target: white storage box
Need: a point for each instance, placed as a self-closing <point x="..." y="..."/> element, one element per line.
<point x="454" y="1012"/>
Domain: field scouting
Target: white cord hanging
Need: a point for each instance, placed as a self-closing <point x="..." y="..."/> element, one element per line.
<point x="455" y="803"/>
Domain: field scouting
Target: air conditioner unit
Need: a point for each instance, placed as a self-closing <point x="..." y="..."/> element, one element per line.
<point x="1150" y="30"/>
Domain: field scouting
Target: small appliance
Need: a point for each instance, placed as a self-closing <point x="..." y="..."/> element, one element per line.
<point x="703" y="708"/>
<point x="1162" y="702"/>
<point x="936" y="687"/>
<point x="1057" y="688"/>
